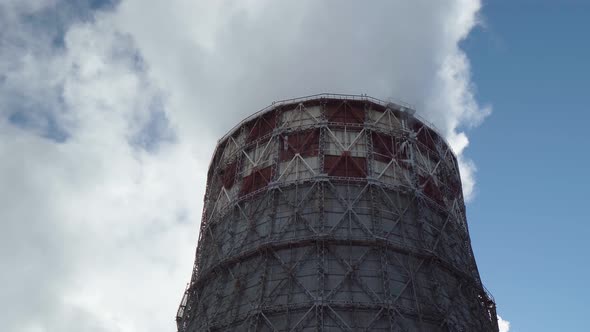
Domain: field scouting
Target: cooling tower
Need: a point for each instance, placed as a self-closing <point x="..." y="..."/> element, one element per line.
<point x="334" y="213"/>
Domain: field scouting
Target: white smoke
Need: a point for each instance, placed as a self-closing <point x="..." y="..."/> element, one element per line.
<point x="504" y="325"/>
<point x="108" y="122"/>
<point x="222" y="61"/>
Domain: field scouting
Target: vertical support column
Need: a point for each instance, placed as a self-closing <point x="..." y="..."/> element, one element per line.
<point x="319" y="301"/>
<point x="375" y="216"/>
<point x="419" y="216"/>
<point x="322" y="266"/>
<point x="322" y="129"/>
<point x="369" y="142"/>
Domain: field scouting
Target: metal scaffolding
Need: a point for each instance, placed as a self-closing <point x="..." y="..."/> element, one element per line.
<point x="334" y="213"/>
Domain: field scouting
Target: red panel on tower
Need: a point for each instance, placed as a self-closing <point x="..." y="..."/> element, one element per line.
<point x="426" y="136"/>
<point x="258" y="179"/>
<point x="262" y="126"/>
<point x="306" y="143"/>
<point x="345" y="166"/>
<point x="345" y="112"/>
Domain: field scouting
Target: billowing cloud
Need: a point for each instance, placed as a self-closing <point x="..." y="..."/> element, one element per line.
<point x="109" y="113"/>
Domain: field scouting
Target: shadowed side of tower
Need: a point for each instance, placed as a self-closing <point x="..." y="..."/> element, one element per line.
<point x="334" y="213"/>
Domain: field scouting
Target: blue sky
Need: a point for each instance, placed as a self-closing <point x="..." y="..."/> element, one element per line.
<point x="110" y="110"/>
<point x="529" y="223"/>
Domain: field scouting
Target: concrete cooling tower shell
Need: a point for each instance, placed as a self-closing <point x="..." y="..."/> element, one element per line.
<point x="334" y="213"/>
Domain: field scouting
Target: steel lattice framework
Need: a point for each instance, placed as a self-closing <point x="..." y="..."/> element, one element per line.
<point x="334" y="213"/>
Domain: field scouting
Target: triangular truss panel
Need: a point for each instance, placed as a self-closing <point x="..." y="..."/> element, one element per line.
<point x="334" y="213"/>
<point x="387" y="120"/>
<point x="301" y="116"/>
